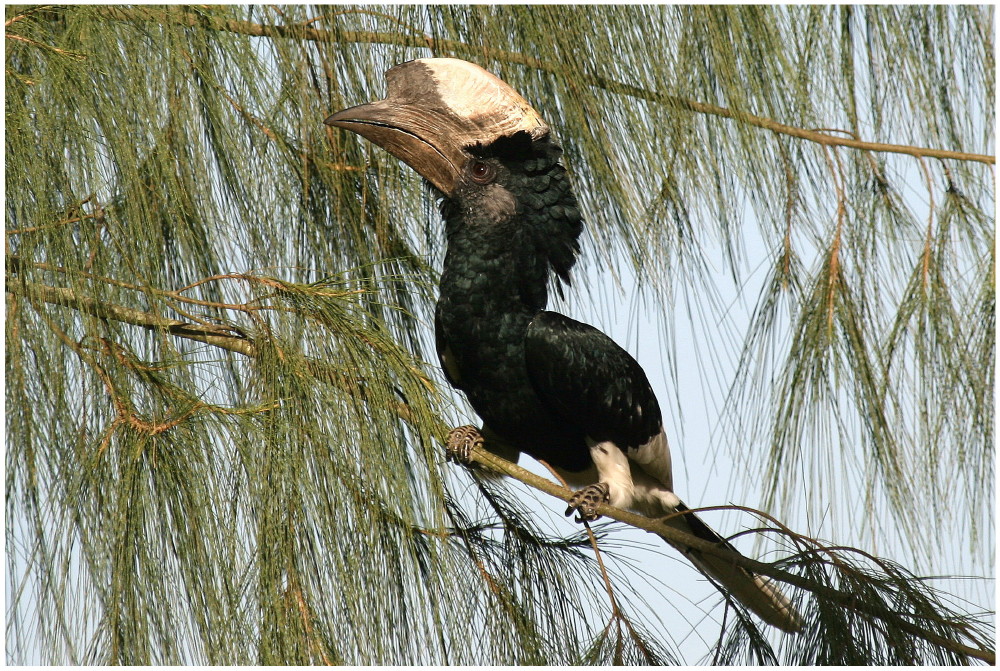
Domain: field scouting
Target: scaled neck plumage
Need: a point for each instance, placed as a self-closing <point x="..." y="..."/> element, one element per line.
<point x="507" y="240"/>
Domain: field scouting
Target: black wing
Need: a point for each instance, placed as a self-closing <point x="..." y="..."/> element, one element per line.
<point x="585" y="378"/>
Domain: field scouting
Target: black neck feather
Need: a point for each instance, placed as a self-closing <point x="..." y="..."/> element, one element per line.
<point x="531" y="244"/>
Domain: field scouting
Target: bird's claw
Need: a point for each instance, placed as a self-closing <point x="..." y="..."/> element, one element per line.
<point x="586" y="500"/>
<point x="461" y="440"/>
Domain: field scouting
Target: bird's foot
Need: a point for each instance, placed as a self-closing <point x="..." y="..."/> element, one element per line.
<point x="586" y="500"/>
<point x="461" y="440"/>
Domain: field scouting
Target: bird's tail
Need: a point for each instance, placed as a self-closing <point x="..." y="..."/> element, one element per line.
<point x="755" y="592"/>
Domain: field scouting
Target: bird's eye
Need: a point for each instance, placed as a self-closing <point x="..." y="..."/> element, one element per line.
<point x="481" y="172"/>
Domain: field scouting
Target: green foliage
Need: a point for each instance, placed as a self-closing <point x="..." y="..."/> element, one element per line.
<point x="223" y="435"/>
<point x="890" y="604"/>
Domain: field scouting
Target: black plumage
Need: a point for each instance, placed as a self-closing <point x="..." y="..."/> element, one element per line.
<point x="544" y="384"/>
<point x="584" y="378"/>
<point x="504" y="240"/>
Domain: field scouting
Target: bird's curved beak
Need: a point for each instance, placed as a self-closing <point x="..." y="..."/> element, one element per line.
<point x="411" y="133"/>
<point x="435" y="110"/>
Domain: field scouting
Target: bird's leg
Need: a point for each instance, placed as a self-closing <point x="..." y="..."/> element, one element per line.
<point x="461" y="440"/>
<point x="586" y="500"/>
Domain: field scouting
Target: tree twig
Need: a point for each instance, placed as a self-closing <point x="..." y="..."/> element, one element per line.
<point x="656" y="527"/>
<point x="617" y="614"/>
<point x="226" y="338"/>
<point x="436" y="45"/>
<point x="219" y="336"/>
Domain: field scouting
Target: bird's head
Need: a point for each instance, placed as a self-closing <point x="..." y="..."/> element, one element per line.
<point x="481" y="145"/>
<point x="435" y="112"/>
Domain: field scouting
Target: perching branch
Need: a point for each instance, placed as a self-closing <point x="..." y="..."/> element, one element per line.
<point x="653" y="526"/>
<point x="441" y="46"/>
<point x="229" y="339"/>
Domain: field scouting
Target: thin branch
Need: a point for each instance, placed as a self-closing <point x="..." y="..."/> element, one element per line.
<point x="929" y="239"/>
<point x="837" y="175"/>
<point x="300" y="32"/>
<point x="843" y="599"/>
<point x="61" y="52"/>
<point x="224" y="337"/>
<point x="32" y="10"/>
<point x="307" y="615"/>
<point x="616" y="612"/>
<point x="219" y="336"/>
<point x="18" y="231"/>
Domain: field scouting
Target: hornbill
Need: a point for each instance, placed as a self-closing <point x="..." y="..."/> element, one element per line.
<point x="544" y="384"/>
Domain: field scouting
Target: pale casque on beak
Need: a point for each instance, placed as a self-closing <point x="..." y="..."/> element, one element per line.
<point x="435" y="109"/>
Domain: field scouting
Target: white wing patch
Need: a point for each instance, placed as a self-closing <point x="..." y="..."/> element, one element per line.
<point x="613" y="468"/>
<point x="639" y="478"/>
